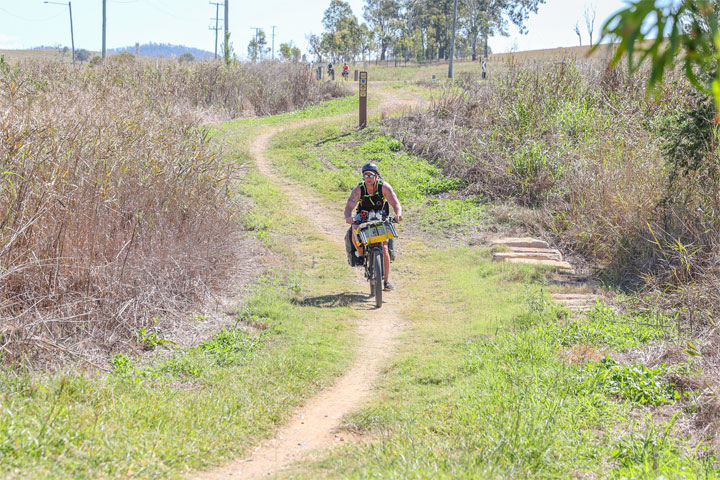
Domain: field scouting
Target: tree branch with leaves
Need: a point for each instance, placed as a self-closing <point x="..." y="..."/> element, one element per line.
<point x="685" y="32"/>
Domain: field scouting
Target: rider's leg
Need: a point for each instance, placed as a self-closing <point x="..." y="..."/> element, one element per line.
<point x="358" y="245"/>
<point x="386" y="256"/>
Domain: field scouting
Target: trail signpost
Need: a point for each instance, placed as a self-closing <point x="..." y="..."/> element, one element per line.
<point x="363" y="99"/>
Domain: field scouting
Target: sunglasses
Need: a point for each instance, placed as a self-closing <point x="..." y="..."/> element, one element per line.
<point x="369" y="175"/>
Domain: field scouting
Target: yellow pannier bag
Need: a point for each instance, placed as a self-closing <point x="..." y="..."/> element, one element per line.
<point x="375" y="232"/>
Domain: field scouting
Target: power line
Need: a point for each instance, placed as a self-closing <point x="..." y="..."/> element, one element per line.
<point x="72" y="35"/>
<point x="38" y="20"/>
<point x="160" y="7"/>
<point x="216" y="27"/>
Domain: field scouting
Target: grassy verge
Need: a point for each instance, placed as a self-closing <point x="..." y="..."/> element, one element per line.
<point x="328" y="156"/>
<point x="493" y="380"/>
<point x="418" y="73"/>
<point x="204" y="404"/>
<point x="333" y="107"/>
<point x="487" y="386"/>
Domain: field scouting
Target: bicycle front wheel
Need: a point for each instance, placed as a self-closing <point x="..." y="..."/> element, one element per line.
<point x="378" y="274"/>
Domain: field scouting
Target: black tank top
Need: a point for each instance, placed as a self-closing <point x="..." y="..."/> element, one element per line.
<point x="375" y="202"/>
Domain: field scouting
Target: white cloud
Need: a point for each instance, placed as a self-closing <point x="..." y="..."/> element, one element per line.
<point x="8" y="42"/>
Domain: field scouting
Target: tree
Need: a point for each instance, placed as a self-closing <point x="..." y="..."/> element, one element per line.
<point x="577" y="32"/>
<point x="380" y="15"/>
<point x="258" y="46"/>
<point x="493" y="17"/>
<point x="342" y="38"/>
<point x="476" y="21"/>
<point x="186" y="57"/>
<point x="228" y="50"/>
<point x="367" y="41"/>
<point x="289" y="52"/>
<point x="335" y="14"/>
<point x="315" y="44"/>
<point x="82" y="55"/>
<point x="662" y="33"/>
<point x="590" y="14"/>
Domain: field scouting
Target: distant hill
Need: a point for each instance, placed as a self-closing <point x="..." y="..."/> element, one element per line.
<point x="164" y="50"/>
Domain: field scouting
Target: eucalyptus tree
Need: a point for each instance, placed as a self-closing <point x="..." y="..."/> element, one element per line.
<point x="382" y="16"/>
<point x="367" y="41"/>
<point x="258" y="46"/>
<point x="315" y="46"/>
<point x="493" y="17"/>
<point x="342" y="38"/>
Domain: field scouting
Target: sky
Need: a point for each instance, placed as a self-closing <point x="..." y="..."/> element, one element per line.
<point x="30" y="23"/>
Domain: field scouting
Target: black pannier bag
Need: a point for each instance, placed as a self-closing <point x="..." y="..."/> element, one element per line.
<point x="350" y="249"/>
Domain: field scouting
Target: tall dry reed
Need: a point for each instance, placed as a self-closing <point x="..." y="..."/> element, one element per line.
<point x="115" y="207"/>
<point x="579" y="147"/>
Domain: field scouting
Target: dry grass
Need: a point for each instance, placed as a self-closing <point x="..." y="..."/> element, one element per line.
<point x="116" y="208"/>
<point x="577" y="145"/>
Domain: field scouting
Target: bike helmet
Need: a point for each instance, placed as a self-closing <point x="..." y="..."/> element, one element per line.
<point x="371" y="167"/>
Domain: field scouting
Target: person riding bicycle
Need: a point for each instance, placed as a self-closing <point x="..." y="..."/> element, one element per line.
<point x="373" y="195"/>
<point x="346" y="70"/>
<point x="330" y="69"/>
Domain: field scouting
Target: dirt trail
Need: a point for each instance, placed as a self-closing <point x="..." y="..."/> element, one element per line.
<point x="315" y="425"/>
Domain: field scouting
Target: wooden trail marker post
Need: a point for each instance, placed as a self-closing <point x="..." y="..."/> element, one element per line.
<point x="363" y="99"/>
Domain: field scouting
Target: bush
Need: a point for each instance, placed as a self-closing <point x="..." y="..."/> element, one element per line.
<point x="186" y="57"/>
<point x="630" y="182"/>
<point x="82" y="55"/>
<point x="114" y="205"/>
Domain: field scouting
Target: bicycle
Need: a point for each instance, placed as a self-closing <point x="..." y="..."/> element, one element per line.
<point x="371" y="235"/>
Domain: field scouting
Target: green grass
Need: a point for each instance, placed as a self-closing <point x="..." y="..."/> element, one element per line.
<point x="413" y="72"/>
<point x="327" y="157"/>
<point x="338" y="106"/>
<point x="479" y="388"/>
<point x="478" y="391"/>
<point x="204" y="404"/>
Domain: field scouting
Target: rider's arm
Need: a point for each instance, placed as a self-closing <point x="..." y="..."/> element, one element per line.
<point x="392" y="199"/>
<point x="351" y="203"/>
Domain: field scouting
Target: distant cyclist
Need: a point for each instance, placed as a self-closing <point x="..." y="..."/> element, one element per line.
<point x="331" y="71"/>
<point x="346" y="71"/>
<point x="373" y="195"/>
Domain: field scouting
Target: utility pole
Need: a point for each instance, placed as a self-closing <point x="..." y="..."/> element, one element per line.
<point x="273" y="42"/>
<point x="104" y="27"/>
<point x="257" y="34"/>
<point x="452" y="42"/>
<point x="227" y="25"/>
<point x="72" y="35"/>
<point x="216" y="27"/>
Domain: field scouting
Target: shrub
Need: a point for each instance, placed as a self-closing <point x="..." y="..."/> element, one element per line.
<point x="636" y="383"/>
<point x="114" y="205"/>
<point x="186" y="57"/>
<point x="630" y="182"/>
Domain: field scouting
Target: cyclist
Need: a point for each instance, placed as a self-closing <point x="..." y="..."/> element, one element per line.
<point x="330" y="70"/>
<point x="373" y="195"/>
<point x="346" y="71"/>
